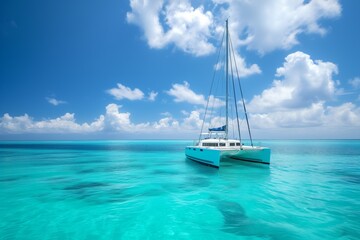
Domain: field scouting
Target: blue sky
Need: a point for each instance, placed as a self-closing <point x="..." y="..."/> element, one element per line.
<point x="142" y="69"/>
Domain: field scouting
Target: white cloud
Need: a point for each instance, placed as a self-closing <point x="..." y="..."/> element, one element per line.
<point x="146" y="15"/>
<point x="355" y="83"/>
<point x="243" y="69"/>
<point x="328" y="121"/>
<point x="183" y="93"/>
<point x="218" y="66"/>
<point x="300" y="101"/>
<point x="268" y="25"/>
<point x="64" y="124"/>
<point x="193" y="121"/>
<point x="191" y="29"/>
<point x="112" y="122"/>
<point x="55" y="102"/>
<point x="304" y="82"/>
<point x="316" y="121"/>
<point x="215" y="102"/>
<point x="152" y="95"/>
<point x="166" y="114"/>
<point x="258" y="25"/>
<point x="347" y="114"/>
<point x="115" y="119"/>
<point x="188" y="28"/>
<point x="123" y="92"/>
<point x="167" y="123"/>
<point x="15" y="124"/>
<point x="120" y="122"/>
<point x="291" y="118"/>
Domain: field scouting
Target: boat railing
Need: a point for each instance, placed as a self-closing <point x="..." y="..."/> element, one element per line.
<point x="213" y="135"/>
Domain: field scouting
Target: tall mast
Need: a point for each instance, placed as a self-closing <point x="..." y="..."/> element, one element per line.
<point x="227" y="80"/>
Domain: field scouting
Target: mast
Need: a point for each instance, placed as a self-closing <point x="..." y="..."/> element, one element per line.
<point x="227" y="80"/>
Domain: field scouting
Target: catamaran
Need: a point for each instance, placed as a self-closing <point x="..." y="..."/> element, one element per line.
<point x="216" y="144"/>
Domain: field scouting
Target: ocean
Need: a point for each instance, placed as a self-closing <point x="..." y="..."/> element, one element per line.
<point x="149" y="190"/>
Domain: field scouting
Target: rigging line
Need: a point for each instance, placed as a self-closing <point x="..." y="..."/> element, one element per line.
<point x="231" y="114"/>
<point x="242" y="96"/>
<point x="232" y="121"/>
<point x="212" y="82"/>
<point x="221" y="83"/>
<point x="234" y="92"/>
<point x="216" y="86"/>
<point x="227" y="78"/>
<point x="212" y="108"/>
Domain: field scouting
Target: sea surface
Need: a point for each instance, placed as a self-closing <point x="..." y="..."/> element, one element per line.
<point x="149" y="190"/>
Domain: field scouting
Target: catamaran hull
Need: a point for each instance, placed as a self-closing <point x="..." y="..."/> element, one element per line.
<point x="212" y="157"/>
<point x="251" y="154"/>
<point x="206" y="156"/>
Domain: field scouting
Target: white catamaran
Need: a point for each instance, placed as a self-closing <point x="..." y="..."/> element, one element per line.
<point x="215" y="145"/>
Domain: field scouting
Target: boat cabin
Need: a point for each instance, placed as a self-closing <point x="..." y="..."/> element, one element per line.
<point x="219" y="142"/>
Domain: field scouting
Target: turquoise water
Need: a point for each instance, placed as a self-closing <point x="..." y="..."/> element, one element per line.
<point x="148" y="190"/>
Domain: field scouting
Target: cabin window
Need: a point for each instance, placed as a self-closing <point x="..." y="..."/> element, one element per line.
<point x="211" y="144"/>
<point x="222" y="144"/>
<point x="232" y="144"/>
<point x="237" y="144"/>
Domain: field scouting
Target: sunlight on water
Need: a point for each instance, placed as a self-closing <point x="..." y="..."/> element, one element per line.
<point x="148" y="190"/>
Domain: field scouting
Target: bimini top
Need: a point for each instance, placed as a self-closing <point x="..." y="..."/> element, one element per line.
<point x="218" y="129"/>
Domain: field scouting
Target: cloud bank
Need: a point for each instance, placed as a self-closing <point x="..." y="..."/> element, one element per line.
<point x="259" y="25"/>
<point x="303" y="97"/>
<point x="303" y="83"/>
<point x="301" y="102"/>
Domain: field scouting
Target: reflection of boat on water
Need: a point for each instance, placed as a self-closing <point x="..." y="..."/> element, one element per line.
<point x="215" y="145"/>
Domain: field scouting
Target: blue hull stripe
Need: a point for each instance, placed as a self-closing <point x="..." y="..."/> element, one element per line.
<point x="248" y="160"/>
<point x="202" y="161"/>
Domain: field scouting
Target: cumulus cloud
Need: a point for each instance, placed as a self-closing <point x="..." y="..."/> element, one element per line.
<point x="63" y="124"/>
<point x="116" y="121"/>
<point x="146" y="15"/>
<point x="183" y="93"/>
<point x="193" y="121"/>
<point x="54" y="101"/>
<point x="347" y="114"/>
<point x="191" y="29"/>
<point x="291" y="118"/>
<point x="304" y="82"/>
<point x="188" y="28"/>
<point x="268" y="25"/>
<point x="120" y="121"/>
<point x="166" y="123"/>
<point x="113" y="120"/>
<point x="316" y="117"/>
<point x="152" y="96"/>
<point x="300" y="99"/>
<point x="243" y="68"/>
<point x="258" y="25"/>
<point x="123" y="92"/>
<point x="355" y="83"/>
